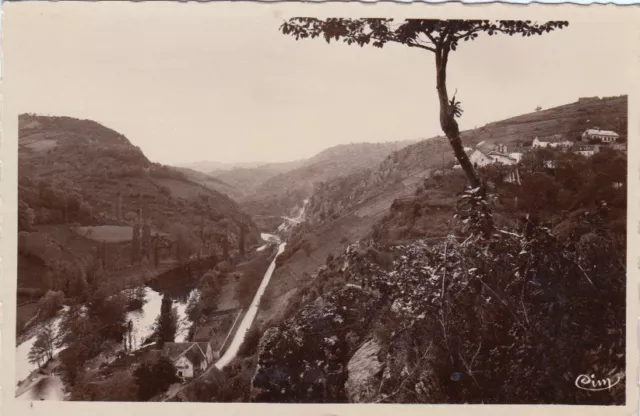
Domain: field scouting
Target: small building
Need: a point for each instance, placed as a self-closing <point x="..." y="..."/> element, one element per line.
<point x="188" y="358"/>
<point x="605" y="136"/>
<point x="204" y="336"/>
<point x="478" y="158"/>
<point x="586" y="150"/>
<point x="503" y="158"/>
<point x="555" y="141"/>
<point x="537" y="143"/>
<point x="517" y="156"/>
<point x="565" y="144"/>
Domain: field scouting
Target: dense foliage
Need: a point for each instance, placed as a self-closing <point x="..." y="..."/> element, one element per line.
<point x="515" y="315"/>
<point x="153" y="379"/>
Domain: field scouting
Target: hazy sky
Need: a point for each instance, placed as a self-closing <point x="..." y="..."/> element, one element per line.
<point x="230" y="87"/>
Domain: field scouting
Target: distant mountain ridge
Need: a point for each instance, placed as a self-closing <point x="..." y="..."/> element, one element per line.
<point x="283" y="191"/>
<point x="207" y="166"/>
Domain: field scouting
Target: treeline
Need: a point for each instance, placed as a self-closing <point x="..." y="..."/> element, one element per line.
<point x="93" y="322"/>
<point x="43" y="202"/>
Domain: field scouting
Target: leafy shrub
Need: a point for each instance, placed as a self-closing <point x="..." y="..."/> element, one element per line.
<point x="307" y="247"/>
<point x="329" y="258"/>
<point x="250" y="344"/>
<point x="50" y="304"/>
<point x="154" y="379"/>
<point x="382" y="259"/>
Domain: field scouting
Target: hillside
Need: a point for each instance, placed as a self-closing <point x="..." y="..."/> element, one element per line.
<point x="418" y="307"/>
<point x="206" y="166"/>
<point x="83" y="188"/>
<point x="211" y="182"/>
<point x="361" y="180"/>
<point x="282" y="192"/>
<point x="345" y="209"/>
<point x="249" y="178"/>
<point x="408" y="167"/>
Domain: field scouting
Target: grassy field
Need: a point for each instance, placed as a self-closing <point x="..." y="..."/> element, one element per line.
<point x="108" y="233"/>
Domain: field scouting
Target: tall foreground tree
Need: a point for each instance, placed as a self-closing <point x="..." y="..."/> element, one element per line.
<point x="440" y="37"/>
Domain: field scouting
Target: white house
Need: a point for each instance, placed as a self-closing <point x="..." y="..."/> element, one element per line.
<point x="537" y="143"/>
<point x="605" y="136"/>
<point x="563" y="144"/>
<point x="586" y="150"/>
<point x="503" y="158"/>
<point x="477" y="158"/>
<point x="187" y="357"/>
<point x="541" y="143"/>
<point x="516" y="156"/>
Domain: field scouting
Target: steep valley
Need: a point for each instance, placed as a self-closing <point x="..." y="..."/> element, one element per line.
<point x="383" y="292"/>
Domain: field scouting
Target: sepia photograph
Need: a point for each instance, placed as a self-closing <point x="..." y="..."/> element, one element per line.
<point x="256" y="205"/>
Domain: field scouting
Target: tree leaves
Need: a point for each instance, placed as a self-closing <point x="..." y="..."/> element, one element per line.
<point x="429" y="34"/>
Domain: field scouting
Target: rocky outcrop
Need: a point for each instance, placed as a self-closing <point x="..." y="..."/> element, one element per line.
<point x="305" y="358"/>
<point x="364" y="370"/>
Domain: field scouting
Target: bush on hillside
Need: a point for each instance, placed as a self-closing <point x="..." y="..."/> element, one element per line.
<point x="50" y="304"/>
<point x="513" y="304"/>
<point x="154" y="379"/>
<point x="250" y="344"/>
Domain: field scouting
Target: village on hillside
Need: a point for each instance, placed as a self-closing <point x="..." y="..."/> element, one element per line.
<point x="590" y="142"/>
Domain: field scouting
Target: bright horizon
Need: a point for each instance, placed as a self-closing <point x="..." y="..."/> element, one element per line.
<point x="230" y="88"/>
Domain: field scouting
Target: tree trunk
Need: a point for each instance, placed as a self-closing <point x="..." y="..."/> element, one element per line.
<point x="448" y="122"/>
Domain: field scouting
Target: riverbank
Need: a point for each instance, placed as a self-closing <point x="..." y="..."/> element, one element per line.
<point x="238" y="337"/>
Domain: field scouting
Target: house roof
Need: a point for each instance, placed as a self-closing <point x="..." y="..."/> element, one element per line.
<point x="478" y="151"/>
<point x="191" y="350"/>
<point x="203" y="346"/>
<point x="485" y="147"/>
<point x="173" y="350"/>
<point x="195" y="354"/>
<point x="152" y="356"/>
<point x="601" y="132"/>
<point x="494" y="153"/>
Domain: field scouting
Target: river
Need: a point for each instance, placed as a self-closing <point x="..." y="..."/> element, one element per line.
<point x="143" y="321"/>
<point x="51" y="388"/>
